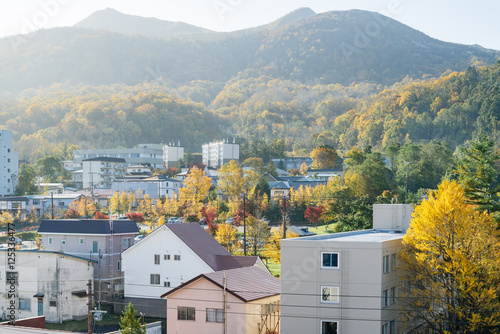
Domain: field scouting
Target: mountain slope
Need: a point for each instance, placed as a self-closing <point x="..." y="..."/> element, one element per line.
<point x="114" y="21"/>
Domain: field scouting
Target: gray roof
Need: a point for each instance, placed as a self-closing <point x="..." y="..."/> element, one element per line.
<point x="247" y="284"/>
<point x="87" y="226"/>
<point x="105" y="159"/>
<point x="204" y="245"/>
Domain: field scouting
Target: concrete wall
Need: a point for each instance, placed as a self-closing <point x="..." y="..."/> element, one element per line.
<point x="9" y="162"/>
<point x="392" y="216"/>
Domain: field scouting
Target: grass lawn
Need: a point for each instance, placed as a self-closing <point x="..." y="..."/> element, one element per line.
<point x="275" y="268"/>
<point x="321" y="229"/>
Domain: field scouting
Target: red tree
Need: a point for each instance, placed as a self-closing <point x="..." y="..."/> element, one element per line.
<point x="135" y="216"/>
<point x="71" y="214"/>
<point x="100" y="215"/>
<point x="313" y="214"/>
<point x="209" y="216"/>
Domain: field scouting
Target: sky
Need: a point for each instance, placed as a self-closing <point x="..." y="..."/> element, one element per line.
<point x="458" y="21"/>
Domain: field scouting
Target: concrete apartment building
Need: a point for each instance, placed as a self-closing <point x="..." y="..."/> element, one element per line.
<point x="155" y="187"/>
<point x="216" y="154"/>
<point x="101" y="172"/>
<point x="9" y="163"/>
<point x="151" y="154"/>
<point x="344" y="282"/>
<point x="172" y="154"/>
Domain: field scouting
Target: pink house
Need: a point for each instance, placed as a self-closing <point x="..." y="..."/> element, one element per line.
<point x="249" y="296"/>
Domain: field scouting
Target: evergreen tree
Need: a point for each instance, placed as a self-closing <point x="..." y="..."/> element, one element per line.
<point x="129" y="323"/>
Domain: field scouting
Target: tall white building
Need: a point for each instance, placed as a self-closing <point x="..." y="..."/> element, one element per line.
<point x="216" y="154"/>
<point x="172" y="154"/>
<point x="101" y="172"/>
<point x="9" y="163"/>
<point x="345" y="282"/>
<point x="151" y="154"/>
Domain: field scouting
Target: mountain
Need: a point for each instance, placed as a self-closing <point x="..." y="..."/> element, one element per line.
<point x="335" y="47"/>
<point x="112" y="20"/>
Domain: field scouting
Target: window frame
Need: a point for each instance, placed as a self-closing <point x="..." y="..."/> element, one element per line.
<point x="217" y="314"/>
<point x="330" y="267"/>
<point x="328" y="321"/>
<point x="154" y="278"/>
<point x="337" y="301"/>
<point x="81" y="241"/>
<point x="177" y="257"/>
<point x="50" y="240"/>
<point x="385" y="328"/>
<point x="393" y="261"/>
<point x="188" y="312"/>
<point x="385" y="264"/>
<point x="63" y="242"/>
<point x="385" y="298"/>
<point x="25" y="304"/>
<point x="392" y="297"/>
<point x="156" y="260"/>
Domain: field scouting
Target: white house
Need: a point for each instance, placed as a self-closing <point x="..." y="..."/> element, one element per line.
<point x="344" y="282"/>
<point x="217" y="154"/>
<point x="9" y="162"/>
<point x="44" y="283"/>
<point x="166" y="258"/>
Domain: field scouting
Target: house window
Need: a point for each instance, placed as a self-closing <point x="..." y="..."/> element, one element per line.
<point x="125" y="243"/>
<point x="393" y="262"/>
<point x="385" y="298"/>
<point x="157" y="258"/>
<point x="185" y="313"/>
<point x="63" y="242"/>
<point x="215" y="315"/>
<point x="386" y="264"/>
<point x="166" y="284"/>
<point x="118" y="266"/>
<point x="81" y="241"/>
<point x="53" y="303"/>
<point x="51" y="241"/>
<point x="24" y="304"/>
<point x="393" y="295"/>
<point x="12" y="277"/>
<point x="330" y="260"/>
<point x="177" y="257"/>
<point x="385" y="329"/>
<point x="329" y="327"/>
<point x="166" y="257"/>
<point x="155" y="279"/>
<point x="329" y="294"/>
<point x="94" y="246"/>
<point x="392" y="327"/>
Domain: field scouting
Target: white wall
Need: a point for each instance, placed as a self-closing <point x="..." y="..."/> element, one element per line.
<point x="9" y="162"/>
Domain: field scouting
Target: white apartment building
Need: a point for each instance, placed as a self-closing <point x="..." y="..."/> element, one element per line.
<point x="155" y="187"/>
<point x="151" y="154"/>
<point x="216" y="154"/>
<point x="9" y="163"/>
<point x="172" y="154"/>
<point x="101" y="172"/>
<point x="344" y="282"/>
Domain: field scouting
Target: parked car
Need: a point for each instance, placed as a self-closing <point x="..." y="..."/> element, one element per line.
<point x="171" y="220"/>
<point x="266" y="220"/>
<point x="139" y="237"/>
<point x="230" y="221"/>
<point x="179" y="220"/>
<point x="203" y="221"/>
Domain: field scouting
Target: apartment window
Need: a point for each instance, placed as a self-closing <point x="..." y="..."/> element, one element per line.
<point x="166" y="257"/>
<point x="330" y="260"/>
<point x="157" y="259"/>
<point x="392" y="327"/>
<point x="329" y="327"/>
<point x="393" y="262"/>
<point x="94" y="246"/>
<point x="393" y="295"/>
<point x="177" y="257"/>
<point x="385" y="298"/>
<point x="215" y="315"/>
<point x="12" y="278"/>
<point x="63" y="242"/>
<point x="118" y="266"/>
<point x="125" y="243"/>
<point x="166" y="284"/>
<point x="24" y="304"/>
<point x="155" y="279"/>
<point x="329" y="294"/>
<point x="51" y="241"/>
<point x="185" y="313"/>
<point x="386" y="264"/>
<point x="81" y="241"/>
<point x="385" y="329"/>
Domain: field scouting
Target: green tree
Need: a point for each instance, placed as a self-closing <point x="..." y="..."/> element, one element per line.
<point x="26" y="180"/>
<point x="49" y="168"/>
<point x="129" y="323"/>
<point x="450" y="266"/>
<point x="257" y="234"/>
<point x="477" y="173"/>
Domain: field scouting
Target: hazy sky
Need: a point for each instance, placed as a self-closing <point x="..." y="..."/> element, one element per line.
<point x="460" y="21"/>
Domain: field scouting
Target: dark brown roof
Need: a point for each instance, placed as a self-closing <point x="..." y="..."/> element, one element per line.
<point x="247" y="284"/>
<point x="246" y="261"/>
<point x="204" y="245"/>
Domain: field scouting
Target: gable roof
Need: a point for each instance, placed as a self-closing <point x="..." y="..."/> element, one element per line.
<point x="247" y="284"/>
<point x="87" y="226"/>
<point x="204" y="245"/>
<point x="246" y="261"/>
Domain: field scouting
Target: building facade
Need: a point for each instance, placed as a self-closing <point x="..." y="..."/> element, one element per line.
<point x="172" y="154"/>
<point x="151" y="154"/>
<point x="217" y="154"/>
<point x="9" y="163"/>
<point x="155" y="187"/>
<point x="344" y="282"/>
<point x="101" y="172"/>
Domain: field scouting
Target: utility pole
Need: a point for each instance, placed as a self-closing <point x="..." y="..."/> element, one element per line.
<point x="284" y="217"/>
<point x="224" y="328"/>
<point x="244" y="225"/>
<point x="52" y="204"/>
<point x="89" y="303"/>
<point x="406" y="196"/>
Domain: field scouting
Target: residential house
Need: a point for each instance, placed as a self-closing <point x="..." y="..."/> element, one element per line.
<point x="287" y="163"/>
<point x="281" y="187"/>
<point x="344" y="282"/>
<point x="14" y="205"/>
<point x="150" y="154"/>
<point x="9" y="162"/>
<point x="45" y="283"/>
<point x="94" y="239"/>
<point x="100" y="172"/>
<point x="217" y="154"/>
<point x="238" y="301"/>
<point x="168" y="257"/>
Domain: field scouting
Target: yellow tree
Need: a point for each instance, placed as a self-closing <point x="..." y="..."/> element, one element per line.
<point x="303" y="168"/>
<point x="194" y="191"/>
<point x="226" y="236"/>
<point x="231" y="180"/>
<point x="6" y="218"/>
<point x="324" y="157"/>
<point x="84" y="206"/>
<point x="450" y="264"/>
<point x="273" y="247"/>
<point x="121" y="202"/>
